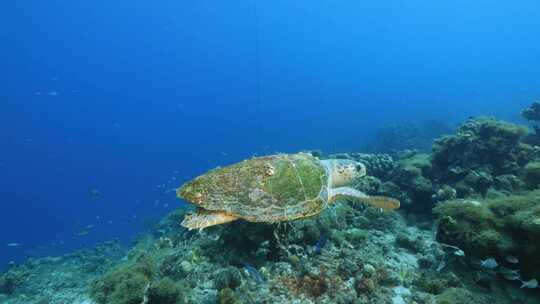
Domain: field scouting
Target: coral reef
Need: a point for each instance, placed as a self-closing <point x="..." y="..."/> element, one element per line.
<point x="500" y="227"/>
<point x="532" y="113"/>
<point x="367" y="256"/>
<point x="482" y="182"/>
<point x="126" y="283"/>
<point x="532" y="174"/>
<point x="62" y="279"/>
<point x="482" y="149"/>
<point x="485" y="157"/>
<point x="357" y="262"/>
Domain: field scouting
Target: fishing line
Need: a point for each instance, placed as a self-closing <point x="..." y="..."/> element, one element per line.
<point x="257" y="70"/>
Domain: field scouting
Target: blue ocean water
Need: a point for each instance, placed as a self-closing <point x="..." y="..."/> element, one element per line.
<point x="132" y="98"/>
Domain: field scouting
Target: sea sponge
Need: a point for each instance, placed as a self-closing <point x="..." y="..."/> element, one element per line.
<point x="125" y="283"/>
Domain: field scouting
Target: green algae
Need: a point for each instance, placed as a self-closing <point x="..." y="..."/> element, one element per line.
<point x="497" y="227"/>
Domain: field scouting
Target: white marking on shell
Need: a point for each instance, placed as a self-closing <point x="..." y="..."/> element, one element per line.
<point x="256" y="194"/>
<point x="269" y="170"/>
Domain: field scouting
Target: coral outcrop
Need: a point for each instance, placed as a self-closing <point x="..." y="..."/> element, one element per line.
<point x="500" y="227"/>
<point x="532" y="113"/>
<point x="481" y="150"/>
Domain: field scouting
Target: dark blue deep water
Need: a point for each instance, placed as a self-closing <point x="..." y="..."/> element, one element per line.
<point x="131" y="98"/>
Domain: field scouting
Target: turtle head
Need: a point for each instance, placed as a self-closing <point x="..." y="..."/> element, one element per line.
<point x="344" y="171"/>
<point x="192" y="191"/>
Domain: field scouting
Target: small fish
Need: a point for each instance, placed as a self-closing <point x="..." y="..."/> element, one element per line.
<point x="533" y="283"/>
<point x="459" y="253"/>
<point x="512" y="259"/>
<point x="510" y="274"/>
<point x="320" y="244"/>
<point x="441" y="266"/>
<point x="94" y="193"/>
<point x="82" y="233"/>
<point x="13" y="244"/>
<point x="489" y="263"/>
<point x="254" y="273"/>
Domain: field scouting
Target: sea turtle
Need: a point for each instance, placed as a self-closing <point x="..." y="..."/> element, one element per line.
<point x="274" y="188"/>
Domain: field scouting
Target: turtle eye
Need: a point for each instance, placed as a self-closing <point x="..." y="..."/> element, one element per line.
<point x="358" y="168"/>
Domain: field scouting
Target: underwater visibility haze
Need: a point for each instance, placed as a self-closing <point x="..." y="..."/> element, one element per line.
<point x="109" y="107"/>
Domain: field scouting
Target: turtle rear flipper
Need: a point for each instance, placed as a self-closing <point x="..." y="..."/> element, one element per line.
<point x="207" y="218"/>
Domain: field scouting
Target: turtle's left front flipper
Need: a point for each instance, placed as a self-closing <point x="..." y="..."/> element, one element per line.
<point x="383" y="202"/>
<point x="205" y="218"/>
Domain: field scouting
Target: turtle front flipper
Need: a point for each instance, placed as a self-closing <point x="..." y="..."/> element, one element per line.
<point x="205" y="218"/>
<point x="383" y="202"/>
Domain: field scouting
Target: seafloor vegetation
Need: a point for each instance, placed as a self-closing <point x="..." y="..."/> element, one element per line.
<point x="468" y="232"/>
